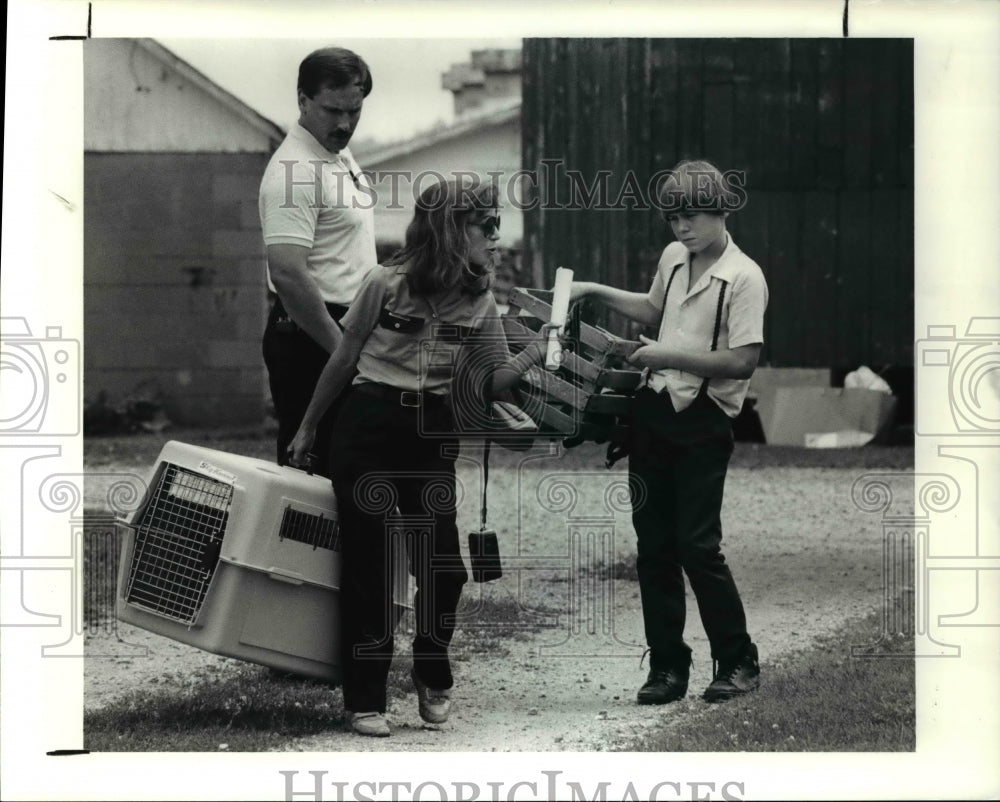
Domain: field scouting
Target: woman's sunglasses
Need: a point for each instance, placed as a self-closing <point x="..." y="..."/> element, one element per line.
<point x="488" y="225"/>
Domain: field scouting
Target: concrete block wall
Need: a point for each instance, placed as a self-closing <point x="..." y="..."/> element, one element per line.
<point x="174" y="284"/>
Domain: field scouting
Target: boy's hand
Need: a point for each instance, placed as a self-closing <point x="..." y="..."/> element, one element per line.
<point x="650" y="354"/>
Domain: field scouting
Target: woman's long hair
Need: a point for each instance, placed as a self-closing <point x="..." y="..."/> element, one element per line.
<point x="437" y="245"/>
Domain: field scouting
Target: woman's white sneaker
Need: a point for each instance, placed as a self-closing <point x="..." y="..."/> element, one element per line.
<point x="372" y="724"/>
<point x="434" y="705"/>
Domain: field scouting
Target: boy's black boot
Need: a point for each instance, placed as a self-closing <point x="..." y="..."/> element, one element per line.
<point x="667" y="682"/>
<point x="734" y="677"/>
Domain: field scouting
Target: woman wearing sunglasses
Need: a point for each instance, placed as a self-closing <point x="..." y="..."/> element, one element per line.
<point x="393" y="445"/>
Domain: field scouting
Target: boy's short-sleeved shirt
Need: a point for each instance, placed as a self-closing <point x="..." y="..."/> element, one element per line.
<point x="322" y="201"/>
<point x="688" y="321"/>
<point x="413" y="343"/>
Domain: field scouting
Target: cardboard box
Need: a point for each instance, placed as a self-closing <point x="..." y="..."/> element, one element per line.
<point x="766" y="379"/>
<point x="824" y="417"/>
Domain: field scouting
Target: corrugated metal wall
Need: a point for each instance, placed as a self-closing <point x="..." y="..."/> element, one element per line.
<point x="823" y="129"/>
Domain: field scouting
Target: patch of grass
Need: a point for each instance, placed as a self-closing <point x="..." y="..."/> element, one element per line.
<point x="825" y="699"/>
<point x="248" y="710"/>
<point x="505" y="616"/>
<point x="240" y="708"/>
<point x="622" y="568"/>
<point x="487" y="623"/>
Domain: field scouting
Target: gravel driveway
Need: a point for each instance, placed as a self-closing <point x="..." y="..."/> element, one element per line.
<point x="805" y="559"/>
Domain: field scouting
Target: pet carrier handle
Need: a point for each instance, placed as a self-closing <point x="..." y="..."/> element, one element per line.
<point x="308" y="466"/>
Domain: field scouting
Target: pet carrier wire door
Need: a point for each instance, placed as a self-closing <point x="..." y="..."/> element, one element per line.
<point x="239" y="557"/>
<point x="178" y="544"/>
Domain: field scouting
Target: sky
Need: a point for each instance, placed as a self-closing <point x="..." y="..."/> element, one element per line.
<point x="406" y="98"/>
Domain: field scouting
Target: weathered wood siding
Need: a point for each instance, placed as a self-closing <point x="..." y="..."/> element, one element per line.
<point x="823" y="129"/>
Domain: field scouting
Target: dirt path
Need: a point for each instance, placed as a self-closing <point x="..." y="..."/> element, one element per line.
<point x="805" y="560"/>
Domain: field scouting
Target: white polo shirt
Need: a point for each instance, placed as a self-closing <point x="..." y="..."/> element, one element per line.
<point x="689" y="320"/>
<point x="321" y="200"/>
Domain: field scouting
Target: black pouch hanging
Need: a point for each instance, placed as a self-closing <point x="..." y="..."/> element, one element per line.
<point x="484" y="547"/>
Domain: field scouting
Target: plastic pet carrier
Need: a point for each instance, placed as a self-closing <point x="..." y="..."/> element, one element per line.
<point x="240" y="557"/>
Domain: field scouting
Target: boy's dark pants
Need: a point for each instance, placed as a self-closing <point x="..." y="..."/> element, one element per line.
<point x="677" y="470"/>
<point x="380" y="461"/>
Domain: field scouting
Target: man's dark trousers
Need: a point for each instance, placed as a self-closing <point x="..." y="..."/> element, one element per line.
<point x="294" y="363"/>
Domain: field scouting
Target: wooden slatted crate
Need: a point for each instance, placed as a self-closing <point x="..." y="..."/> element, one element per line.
<point x="589" y="396"/>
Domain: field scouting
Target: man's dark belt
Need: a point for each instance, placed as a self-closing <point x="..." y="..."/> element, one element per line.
<point x="405" y="398"/>
<point x="278" y="313"/>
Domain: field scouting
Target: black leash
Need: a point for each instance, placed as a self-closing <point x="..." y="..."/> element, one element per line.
<point x="486" y="481"/>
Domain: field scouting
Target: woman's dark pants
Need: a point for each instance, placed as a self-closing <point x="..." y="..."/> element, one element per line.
<point x="380" y="461"/>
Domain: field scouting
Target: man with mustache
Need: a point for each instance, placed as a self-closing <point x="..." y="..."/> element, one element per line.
<point x="317" y="219"/>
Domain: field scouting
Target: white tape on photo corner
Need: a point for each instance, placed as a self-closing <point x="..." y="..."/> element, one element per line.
<point x="560" y="309"/>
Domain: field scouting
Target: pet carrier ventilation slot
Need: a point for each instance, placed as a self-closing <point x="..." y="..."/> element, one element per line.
<point x="314" y="530"/>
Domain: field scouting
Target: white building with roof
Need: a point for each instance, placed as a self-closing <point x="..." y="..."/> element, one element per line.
<point x="485" y="142"/>
<point x="174" y="288"/>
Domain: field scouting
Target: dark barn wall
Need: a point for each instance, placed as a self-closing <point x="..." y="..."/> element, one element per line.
<point x="823" y="129"/>
<point x="174" y="292"/>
